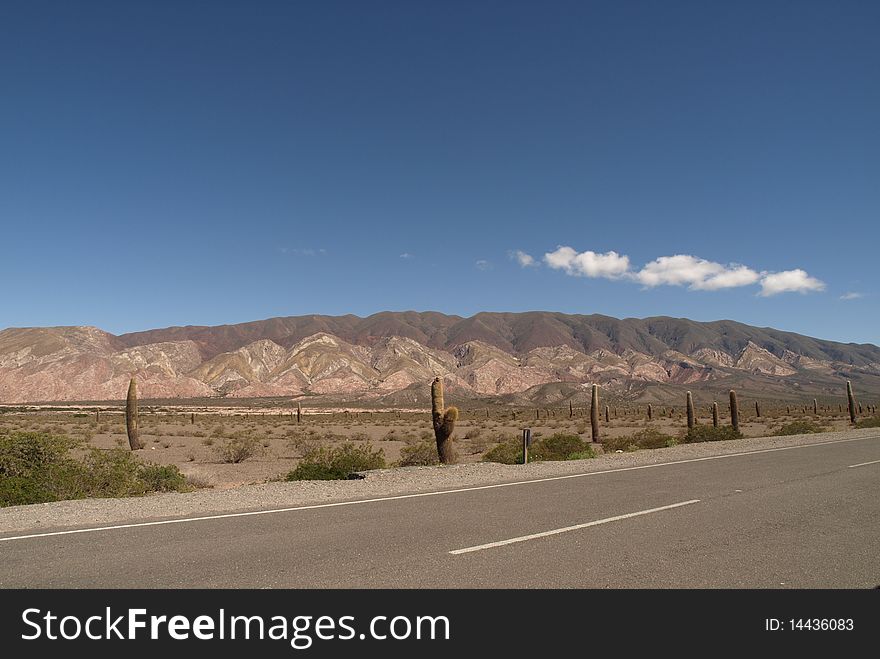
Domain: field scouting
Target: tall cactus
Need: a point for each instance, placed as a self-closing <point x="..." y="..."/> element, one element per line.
<point x="714" y="414"/>
<point x="131" y="417"/>
<point x="444" y="423"/>
<point x="690" y="410"/>
<point x="570" y="410"/>
<point x="757" y="410"/>
<point x="607" y="416"/>
<point x="299" y="413"/>
<point x="815" y="407"/>
<point x="852" y="402"/>
<point x="650" y="412"/>
<point x="192" y="418"/>
<point x="594" y="413"/>
<point x="734" y="411"/>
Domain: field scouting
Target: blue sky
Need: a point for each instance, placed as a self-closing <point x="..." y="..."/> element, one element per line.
<point x="172" y="163"/>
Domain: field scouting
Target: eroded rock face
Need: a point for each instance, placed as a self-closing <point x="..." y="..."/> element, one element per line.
<point x="86" y="363"/>
<point x="756" y="359"/>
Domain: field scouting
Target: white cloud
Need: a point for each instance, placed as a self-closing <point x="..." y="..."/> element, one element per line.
<point x="525" y="260"/>
<point x="407" y="255"/>
<point x="789" y="281"/>
<point x="483" y="265"/>
<point x="695" y="273"/>
<point x="851" y="296"/>
<point x="609" y="265"/>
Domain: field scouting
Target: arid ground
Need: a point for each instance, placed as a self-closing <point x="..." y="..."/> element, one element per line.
<point x="196" y="439"/>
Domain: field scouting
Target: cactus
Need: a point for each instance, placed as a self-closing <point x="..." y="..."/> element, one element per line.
<point x="690" y="410"/>
<point x="852" y="402"/>
<point x="444" y="423"/>
<point x="734" y="411"/>
<point x="97" y="416"/>
<point x="192" y="418"/>
<point x="131" y="417"/>
<point x="299" y="413"/>
<point x="815" y="407"/>
<point x="714" y="414"/>
<point x="594" y="413"/>
<point x="607" y="417"/>
<point x="757" y="410"/>
<point x="570" y="410"/>
<point x="650" y="412"/>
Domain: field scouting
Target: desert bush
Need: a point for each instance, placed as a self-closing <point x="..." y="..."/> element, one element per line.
<point x="555" y="447"/>
<point x="799" y="428"/>
<point x="163" y="478"/>
<point x="323" y="463"/>
<point x="37" y="468"/>
<point x="706" y="433"/>
<point x="200" y="481"/>
<point x="558" y="446"/>
<point x="23" y="453"/>
<point x="473" y="433"/>
<point x="588" y="454"/>
<point x="648" y="438"/>
<point x="871" y="422"/>
<point x="420" y="454"/>
<point x="239" y="449"/>
<point x="508" y="452"/>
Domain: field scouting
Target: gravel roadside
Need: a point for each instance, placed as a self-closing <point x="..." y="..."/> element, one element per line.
<point x="381" y="483"/>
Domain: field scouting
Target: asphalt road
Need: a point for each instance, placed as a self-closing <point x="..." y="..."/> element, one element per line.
<point x="807" y="517"/>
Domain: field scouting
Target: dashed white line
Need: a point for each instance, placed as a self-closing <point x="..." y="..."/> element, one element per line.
<point x="272" y="511"/>
<point x="862" y="464"/>
<point x="566" y="529"/>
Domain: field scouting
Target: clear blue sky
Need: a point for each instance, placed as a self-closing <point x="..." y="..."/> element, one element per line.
<point x="171" y="163"/>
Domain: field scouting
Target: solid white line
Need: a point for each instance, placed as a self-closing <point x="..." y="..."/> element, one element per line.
<point x="475" y="488"/>
<point x="566" y="529"/>
<point x="862" y="464"/>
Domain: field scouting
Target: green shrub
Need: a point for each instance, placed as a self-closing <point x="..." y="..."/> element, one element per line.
<point x="559" y="446"/>
<point x="38" y="468"/>
<point x="508" y="452"/>
<point x="421" y="454"/>
<point x="163" y="478"/>
<point x="648" y="438"/>
<point x="799" y="428"/>
<point x="324" y="463"/>
<point x="871" y="422"/>
<point x="23" y="453"/>
<point x="703" y="433"/>
<point x="589" y="453"/>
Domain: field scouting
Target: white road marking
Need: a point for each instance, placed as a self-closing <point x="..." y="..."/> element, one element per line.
<point x="566" y="529"/>
<point x="272" y="511"/>
<point x="862" y="464"/>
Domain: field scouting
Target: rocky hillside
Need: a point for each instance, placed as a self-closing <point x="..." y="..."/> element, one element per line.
<point x="388" y="357"/>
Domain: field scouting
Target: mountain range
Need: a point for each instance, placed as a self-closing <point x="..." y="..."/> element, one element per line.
<point x="390" y="357"/>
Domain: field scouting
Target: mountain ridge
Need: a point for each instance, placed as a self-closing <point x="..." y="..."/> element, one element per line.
<point x="380" y="356"/>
